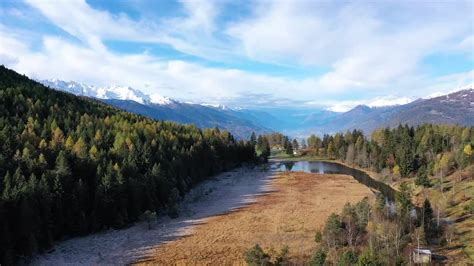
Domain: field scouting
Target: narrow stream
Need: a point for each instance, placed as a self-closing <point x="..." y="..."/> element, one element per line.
<point x="323" y="167"/>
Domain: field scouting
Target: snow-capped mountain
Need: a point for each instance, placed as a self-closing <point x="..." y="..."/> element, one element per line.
<point x="216" y="106"/>
<point x="452" y="108"/>
<point x="439" y="94"/>
<point x="107" y="92"/>
<point x="163" y="108"/>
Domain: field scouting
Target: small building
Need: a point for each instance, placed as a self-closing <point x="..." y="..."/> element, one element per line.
<point x="421" y="256"/>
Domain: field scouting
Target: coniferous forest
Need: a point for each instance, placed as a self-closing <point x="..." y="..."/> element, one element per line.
<point x="71" y="166"/>
<point x="403" y="151"/>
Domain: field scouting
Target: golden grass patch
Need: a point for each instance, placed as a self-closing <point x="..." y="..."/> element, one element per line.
<point x="289" y="216"/>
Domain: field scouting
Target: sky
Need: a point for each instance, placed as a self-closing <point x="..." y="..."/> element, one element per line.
<point x="256" y="53"/>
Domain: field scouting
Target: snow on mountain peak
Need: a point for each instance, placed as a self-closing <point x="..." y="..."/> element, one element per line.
<point x="214" y="105"/>
<point x="390" y="101"/>
<point x="439" y="94"/>
<point x="162" y="100"/>
<point x="107" y="92"/>
<point x="123" y="93"/>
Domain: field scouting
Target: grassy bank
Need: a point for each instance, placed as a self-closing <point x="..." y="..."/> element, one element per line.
<point x="458" y="192"/>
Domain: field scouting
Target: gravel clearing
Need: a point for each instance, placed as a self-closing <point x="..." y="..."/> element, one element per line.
<point x="223" y="193"/>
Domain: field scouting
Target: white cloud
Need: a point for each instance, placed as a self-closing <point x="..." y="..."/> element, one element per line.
<point x="344" y="106"/>
<point x="389" y="101"/>
<point x="191" y="33"/>
<point x="370" y="52"/>
<point x="180" y="79"/>
<point x="364" y="45"/>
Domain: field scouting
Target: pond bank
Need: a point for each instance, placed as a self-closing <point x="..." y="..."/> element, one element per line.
<point x="336" y="167"/>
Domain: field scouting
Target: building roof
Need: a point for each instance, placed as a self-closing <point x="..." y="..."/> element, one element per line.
<point x="422" y="251"/>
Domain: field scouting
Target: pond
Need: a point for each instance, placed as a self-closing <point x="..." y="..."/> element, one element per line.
<point x="324" y="167"/>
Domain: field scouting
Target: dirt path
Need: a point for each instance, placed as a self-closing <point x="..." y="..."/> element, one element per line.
<point x="289" y="216"/>
<point x="223" y="193"/>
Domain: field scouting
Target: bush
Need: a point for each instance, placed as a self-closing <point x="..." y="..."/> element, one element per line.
<point x="469" y="208"/>
<point x="368" y="258"/>
<point x="283" y="258"/>
<point x="422" y="180"/>
<point x="319" y="257"/>
<point x="318" y="237"/>
<point x="256" y="256"/>
<point x="400" y="261"/>
<point x="349" y="257"/>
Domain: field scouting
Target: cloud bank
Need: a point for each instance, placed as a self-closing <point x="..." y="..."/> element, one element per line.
<point x="367" y="50"/>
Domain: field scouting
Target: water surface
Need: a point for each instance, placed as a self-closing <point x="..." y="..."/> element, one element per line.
<point x="324" y="167"/>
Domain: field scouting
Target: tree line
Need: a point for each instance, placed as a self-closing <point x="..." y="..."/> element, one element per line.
<point x="402" y="151"/>
<point x="364" y="234"/>
<point x="276" y="142"/>
<point x="71" y="166"/>
<point x="377" y="234"/>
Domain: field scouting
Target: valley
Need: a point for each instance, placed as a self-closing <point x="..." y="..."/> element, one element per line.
<point x="222" y="194"/>
<point x="120" y="188"/>
<point x="225" y="215"/>
<point x="259" y="133"/>
<point x="289" y="216"/>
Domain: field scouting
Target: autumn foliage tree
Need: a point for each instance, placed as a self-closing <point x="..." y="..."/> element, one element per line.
<point x="70" y="166"/>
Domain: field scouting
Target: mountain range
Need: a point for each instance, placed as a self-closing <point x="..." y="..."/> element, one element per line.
<point x="454" y="108"/>
<point x="164" y="108"/>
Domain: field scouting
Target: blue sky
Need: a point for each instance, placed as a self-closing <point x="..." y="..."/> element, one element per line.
<point x="315" y="54"/>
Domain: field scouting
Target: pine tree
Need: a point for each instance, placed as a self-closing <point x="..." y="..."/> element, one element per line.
<point x="330" y="150"/>
<point x="93" y="152"/>
<point x="403" y="199"/>
<point x="295" y="144"/>
<point x="69" y="143"/>
<point x="8" y="186"/>
<point x="427" y="218"/>
<point x="289" y="148"/>
<point x="80" y="148"/>
<point x="253" y="139"/>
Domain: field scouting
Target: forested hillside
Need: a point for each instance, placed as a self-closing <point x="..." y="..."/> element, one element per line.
<point x="454" y="109"/>
<point x="431" y="166"/>
<point x="71" y="166"/>
<point x="403" y="151"/>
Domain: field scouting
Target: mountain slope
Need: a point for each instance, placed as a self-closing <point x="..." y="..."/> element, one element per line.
<point x="72" y="165"/>
<point x="201" y="116"/>
<point x="163" y="108"/>
<point x="454" y="108"/>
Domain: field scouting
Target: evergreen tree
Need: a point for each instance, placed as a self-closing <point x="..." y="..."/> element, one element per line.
<point x="427" y="218"/>
<point x="253" y="139"/>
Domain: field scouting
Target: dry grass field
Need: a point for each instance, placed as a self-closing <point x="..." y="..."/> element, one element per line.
<point x="289" y="216"/>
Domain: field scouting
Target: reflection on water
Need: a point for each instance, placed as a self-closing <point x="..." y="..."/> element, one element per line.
<point x="322" y="167"/>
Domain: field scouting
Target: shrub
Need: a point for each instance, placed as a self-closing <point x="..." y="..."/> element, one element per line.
<point x="318" y="237"/>
<point x="283" y="258"/>
<point x="368" y="258"/>
<point x="349" y="257"/>
<point x="470" y="207"/>
<point x="400" y="261"/>
<point x="256" y="256"/>
<point x="319" y="257"/>
<point x="422" y="180"/>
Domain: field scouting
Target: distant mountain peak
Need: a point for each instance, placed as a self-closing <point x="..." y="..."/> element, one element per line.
<point x="161" y="100"/>
<point x="115" y="92"/>
<point x="216" y="106"/>
<point x="361" y="108"/>
<point x="468" y="88"/>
